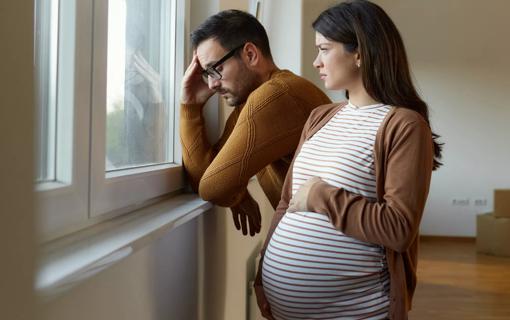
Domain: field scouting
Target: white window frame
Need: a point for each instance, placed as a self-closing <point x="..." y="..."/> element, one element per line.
<point x="64" y="203"/>
<point x="82" y="194"/>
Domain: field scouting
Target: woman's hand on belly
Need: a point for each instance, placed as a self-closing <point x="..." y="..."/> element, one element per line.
<point x="299" y="202"/>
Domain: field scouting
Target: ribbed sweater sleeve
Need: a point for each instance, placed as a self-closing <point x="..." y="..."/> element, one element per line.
<point x="268" y="129"/>
<point x="197" y="151"/>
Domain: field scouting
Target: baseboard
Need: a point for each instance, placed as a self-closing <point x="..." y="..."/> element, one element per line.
<point x="447" y="238"/>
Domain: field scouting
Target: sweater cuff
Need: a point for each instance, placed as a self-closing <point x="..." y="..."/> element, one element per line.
<point x="191" y="110"/>
<point x="236" y="199"/>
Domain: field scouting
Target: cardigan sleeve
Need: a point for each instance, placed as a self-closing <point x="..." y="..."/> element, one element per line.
<point x="394" y="222"/>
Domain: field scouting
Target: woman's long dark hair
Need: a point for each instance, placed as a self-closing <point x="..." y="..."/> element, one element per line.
<point x="362" y="25"/>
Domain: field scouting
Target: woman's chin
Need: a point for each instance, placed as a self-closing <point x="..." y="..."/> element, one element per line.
<point x="330" y="86"/>
<point x="334" y="86"/>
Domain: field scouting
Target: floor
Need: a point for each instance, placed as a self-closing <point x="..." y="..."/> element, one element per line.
<point x="454" y="282"/>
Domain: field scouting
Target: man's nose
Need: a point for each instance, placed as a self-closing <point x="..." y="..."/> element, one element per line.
<point x="213" y="83"/>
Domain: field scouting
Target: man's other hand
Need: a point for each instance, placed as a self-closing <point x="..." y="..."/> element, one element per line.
<point x="246" y="214"/>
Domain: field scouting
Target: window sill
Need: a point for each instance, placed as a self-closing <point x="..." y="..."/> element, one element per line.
<point x="71" y="260"/>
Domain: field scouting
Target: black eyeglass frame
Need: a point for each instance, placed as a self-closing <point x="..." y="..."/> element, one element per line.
<point x="212" y="72"/>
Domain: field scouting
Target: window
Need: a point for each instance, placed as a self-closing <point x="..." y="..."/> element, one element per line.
<point x="107" y="91"/>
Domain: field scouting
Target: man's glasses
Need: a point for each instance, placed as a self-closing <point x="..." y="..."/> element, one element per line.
<point x="212" y="72"/>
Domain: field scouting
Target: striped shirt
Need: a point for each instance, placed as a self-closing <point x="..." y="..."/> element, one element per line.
<point x="310" y="269"/>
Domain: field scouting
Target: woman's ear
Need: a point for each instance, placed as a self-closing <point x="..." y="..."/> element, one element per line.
<point x="357" y="59"/>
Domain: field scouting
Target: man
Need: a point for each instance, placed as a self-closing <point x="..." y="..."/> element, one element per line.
<point x="232" y="58"/>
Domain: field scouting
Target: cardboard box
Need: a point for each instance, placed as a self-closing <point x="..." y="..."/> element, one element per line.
<point x="484" y="223"/>
<point x="493" y="235"/>
<point x="502" y="203"/>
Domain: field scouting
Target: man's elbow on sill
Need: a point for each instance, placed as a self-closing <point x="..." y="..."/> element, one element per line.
<point x="220" y="194"/>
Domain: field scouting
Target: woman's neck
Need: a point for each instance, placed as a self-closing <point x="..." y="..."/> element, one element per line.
<point x="360" y="97"/>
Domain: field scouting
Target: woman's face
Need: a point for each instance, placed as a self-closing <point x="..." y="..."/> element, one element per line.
<point x="337" y="67"/>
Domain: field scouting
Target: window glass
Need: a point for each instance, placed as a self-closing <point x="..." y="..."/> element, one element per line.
<point x="138" y="76"/>
<point x="46" y="57"/>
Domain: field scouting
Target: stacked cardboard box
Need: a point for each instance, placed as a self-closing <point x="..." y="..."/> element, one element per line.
<point x="493" y="229"/>
<point x="502" y="203"/>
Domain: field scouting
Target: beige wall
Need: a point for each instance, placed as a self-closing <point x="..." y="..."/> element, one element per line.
<point x="16" y="141"/>
<point x="234" y="4"/>
<point x="230" y="261"/>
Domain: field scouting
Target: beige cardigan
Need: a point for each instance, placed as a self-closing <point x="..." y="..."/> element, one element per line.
<point x="403" y="155"/>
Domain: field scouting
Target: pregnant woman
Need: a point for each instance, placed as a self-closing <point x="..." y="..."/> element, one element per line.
<point x="343" y="241"/>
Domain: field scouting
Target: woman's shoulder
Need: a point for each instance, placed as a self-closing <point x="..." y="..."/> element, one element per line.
<point x="402" y="116"/>
<point x="404" y="121"/>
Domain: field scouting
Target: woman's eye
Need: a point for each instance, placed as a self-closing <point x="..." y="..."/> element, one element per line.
<point x="219" y="68"/>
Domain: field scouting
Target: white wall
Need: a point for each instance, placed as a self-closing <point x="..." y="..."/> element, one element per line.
<point x="459" y="52"/>
<point x="16" y="171"/>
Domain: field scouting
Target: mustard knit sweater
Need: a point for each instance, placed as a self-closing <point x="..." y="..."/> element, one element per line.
<point x="259" y="138"/>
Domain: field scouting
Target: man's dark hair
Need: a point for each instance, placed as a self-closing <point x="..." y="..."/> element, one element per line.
<point x="232" y="28"/>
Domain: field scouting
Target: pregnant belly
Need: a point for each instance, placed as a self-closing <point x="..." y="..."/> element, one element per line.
<point x="313" y="271"/>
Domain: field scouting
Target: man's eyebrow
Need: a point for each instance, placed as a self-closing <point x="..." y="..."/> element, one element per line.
<point x="204" y="67"/>
<point x="209" y="64"/>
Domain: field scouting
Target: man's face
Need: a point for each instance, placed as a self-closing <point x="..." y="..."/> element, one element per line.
<point x="237" y="80"/>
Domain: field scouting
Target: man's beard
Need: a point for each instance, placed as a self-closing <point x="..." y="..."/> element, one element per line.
<point x="249" y="82"/>
<point x="233" y="100"/>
